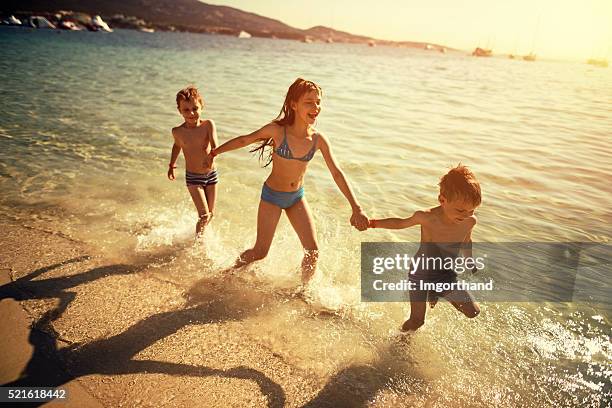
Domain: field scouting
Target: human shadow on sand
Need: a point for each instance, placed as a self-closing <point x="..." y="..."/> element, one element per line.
<point x="27" y="288"/>
<point x="358" y="384"/>
<point x="208" y="301"/>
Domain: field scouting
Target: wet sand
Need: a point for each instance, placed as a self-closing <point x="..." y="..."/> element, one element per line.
<point x="76" y="320"/>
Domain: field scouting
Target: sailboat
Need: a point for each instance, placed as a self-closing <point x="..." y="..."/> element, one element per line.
<point x="598" y="62"/>
<point x="482" y="52"/>
<point x="514" y="55"/>
<point x="530" y="57"/>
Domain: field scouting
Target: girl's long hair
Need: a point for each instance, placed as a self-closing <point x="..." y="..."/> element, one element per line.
<point x="286" y="117"/>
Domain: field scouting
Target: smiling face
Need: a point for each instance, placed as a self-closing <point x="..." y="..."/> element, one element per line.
<point x="308" y="107"/>
<point x="190" y="110"/>
<point x="457" y="210"/>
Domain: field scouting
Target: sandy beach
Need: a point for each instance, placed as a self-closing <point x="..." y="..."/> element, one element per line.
<point x="82" y="323"/>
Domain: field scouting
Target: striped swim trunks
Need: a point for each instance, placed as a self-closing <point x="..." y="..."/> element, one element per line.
<point x="203" y="180"/>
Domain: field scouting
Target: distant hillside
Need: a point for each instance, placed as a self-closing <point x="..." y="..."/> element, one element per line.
<point x="188" y="15"/>
<point x="326" y="33"/>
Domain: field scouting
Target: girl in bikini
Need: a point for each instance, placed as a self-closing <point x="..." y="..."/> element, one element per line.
<point x="293" y="142"/>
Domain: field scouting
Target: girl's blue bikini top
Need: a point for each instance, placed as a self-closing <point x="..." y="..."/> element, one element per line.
<point x="285" y="152"/>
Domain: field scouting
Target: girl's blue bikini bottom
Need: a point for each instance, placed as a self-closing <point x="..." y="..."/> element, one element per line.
<point x="282" y="199"/>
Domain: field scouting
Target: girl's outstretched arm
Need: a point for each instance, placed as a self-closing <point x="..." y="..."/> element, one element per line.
<point x="265" y="132"/>
<point x="358" y="218"/>
<point x="398" y="223"/>
<point x="214" y="142"/>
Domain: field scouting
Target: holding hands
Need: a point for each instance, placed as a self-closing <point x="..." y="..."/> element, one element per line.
<point x="359" y="219"/>
<point x="210" y="158"/>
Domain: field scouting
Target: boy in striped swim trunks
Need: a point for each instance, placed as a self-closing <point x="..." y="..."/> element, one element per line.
<point x="196" y="137"/>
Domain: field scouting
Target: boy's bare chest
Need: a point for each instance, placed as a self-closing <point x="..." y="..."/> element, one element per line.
<point x="193" y="138"/>
<point x="440" y="232"/>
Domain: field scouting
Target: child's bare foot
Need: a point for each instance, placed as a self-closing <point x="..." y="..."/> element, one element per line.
<point x="297" y="291"/>
<point x="209" y="217"/>
<point x="399" y="341"/>
<point x="203" y="221"/>
<point x="302" y="293"/>
<point x="205" y="218"/>
<point x="411" y="326"/>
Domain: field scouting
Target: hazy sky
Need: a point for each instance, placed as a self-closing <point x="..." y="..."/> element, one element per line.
<point x="575" y="29"/>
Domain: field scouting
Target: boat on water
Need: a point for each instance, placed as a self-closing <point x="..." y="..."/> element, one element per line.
<point x="598" y="62"/>
<point x="146" y="30"/>
<point x="12" y="21"/>
<point x="40" y="22"/>
<point x="68" y="25"/>
<point x="530" y="57"/>
<point x="244" y="34"/>
<point x="482" y="52"/>
<point x="100" y="25"/>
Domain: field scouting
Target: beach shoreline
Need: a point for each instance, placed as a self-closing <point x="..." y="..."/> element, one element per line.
<point x="157" y="357"/>
<point x="74" y="319"/>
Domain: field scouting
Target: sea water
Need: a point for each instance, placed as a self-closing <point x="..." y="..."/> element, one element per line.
<point x="85" y="125"/>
